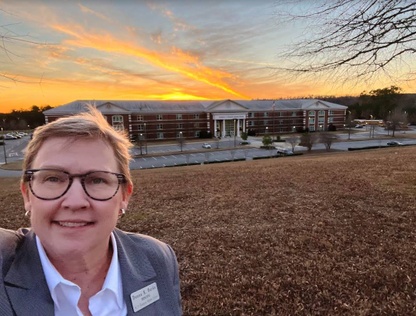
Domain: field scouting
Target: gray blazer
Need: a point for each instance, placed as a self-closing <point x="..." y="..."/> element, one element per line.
<point x="143" y="261"/>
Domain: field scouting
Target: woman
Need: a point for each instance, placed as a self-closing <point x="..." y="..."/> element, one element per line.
<point x="73" y="261"/>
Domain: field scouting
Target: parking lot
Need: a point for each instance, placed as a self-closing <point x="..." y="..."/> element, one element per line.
<point x="157" y="155"/>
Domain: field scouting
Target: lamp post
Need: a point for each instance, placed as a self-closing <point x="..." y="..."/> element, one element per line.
<point x="145" y="137"/>
<point x="349" y="125"/>
<point x="273" y="121"/>
<point x="388" y="123"/>
<point x="141" y="143"/>
<point x="4" y="147"/>
<point x="181" y="140"/>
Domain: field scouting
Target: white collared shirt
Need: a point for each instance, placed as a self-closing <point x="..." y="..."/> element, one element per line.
<point x="65" y="294"/>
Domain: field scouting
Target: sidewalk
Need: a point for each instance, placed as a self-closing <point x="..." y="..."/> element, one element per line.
<point x="9" y="173"/>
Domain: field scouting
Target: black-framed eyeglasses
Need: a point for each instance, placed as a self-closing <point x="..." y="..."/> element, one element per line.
<point x="51" y="184"/>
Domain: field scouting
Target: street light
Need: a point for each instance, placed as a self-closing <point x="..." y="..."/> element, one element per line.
<point x="4" y="147"/>
<point x="145" y="137"/>
<point x="141" y="143"/>
<point x="349" y="125"/>
<point x="181" y="140"/>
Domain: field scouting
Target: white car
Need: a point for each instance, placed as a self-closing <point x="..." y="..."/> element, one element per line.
<point x="284" y="152"/>
<point x="206" y="145"/>
<point x="9" y="136"/>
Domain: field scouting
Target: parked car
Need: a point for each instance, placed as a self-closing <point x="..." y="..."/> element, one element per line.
<point x="359" y="126"/>
<point x="9" y="136"/>
<point x="394" y="143"/>
<point x="284" y="152"/>
<point x="206" y="145"/>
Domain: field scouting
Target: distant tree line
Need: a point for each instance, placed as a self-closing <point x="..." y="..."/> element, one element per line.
<point x="383" y="104"/>
<point x="23" y="119"/>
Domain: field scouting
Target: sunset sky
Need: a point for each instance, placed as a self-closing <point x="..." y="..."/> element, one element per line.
<point x="55" y="52"/>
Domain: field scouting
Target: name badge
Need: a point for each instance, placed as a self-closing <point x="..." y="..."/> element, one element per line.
<point x="144" y="297"/>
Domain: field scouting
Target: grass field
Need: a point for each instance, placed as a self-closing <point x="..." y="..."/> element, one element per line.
<point x="329" y="234"/>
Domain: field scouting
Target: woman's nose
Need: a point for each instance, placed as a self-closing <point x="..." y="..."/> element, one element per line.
<point x="76" y="197"/>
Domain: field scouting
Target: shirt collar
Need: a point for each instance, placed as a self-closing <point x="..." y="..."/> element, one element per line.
<point x="54" y="278"/>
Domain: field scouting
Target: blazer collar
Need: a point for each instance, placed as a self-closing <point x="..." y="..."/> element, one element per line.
<point x="25" y="282"/>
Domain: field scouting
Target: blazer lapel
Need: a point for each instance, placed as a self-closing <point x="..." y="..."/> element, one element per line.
<point x="25" y="282"/>
<point x="136" y="270"/>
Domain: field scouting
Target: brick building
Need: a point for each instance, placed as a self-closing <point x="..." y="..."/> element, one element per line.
<point x="167" y="120"/>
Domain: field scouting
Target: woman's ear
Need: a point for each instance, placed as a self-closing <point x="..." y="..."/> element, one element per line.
<point x="127" y="192"/>
<point x="25" y="194"/>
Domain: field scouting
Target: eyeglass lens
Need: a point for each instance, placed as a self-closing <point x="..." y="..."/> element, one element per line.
<point x="52" y="184"/>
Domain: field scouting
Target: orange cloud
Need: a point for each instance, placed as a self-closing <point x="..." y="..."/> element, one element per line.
<point x="177" y="61"/>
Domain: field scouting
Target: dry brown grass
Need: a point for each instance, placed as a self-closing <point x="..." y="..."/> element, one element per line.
<point x="308" y="235"/>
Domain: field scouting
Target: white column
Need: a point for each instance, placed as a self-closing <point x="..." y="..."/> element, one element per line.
<point x="238" y="128"/>
<point x="215" y="128"/>
<point x="223" y="129"/>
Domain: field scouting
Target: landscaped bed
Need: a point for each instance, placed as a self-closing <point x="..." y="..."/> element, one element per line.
<point x="329" y="234"/>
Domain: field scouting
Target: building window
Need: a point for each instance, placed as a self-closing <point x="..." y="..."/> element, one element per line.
<point x="197" y="133"/>
<point x="330" y="120"/>
<point x="140" y="127"/>
<point x="331" y="112"/>
<point x="250" y="114"/>
<point x="265" y="122"/>
<point x="311" y="113"/>
<point x="196" y="124"/>
<point x="159" y="117"/>
<point x="179" y="125"/>
<point x="321" y="113"/>
<point x="140" y="117"/>
<point x="117" y="122"/>
<point x="117" y="119"/>
<point x="196" y="116"/>
<point x="159" y="126"/>
<point x="159" y="135"/>
<point x="294" y="114"/>
<point x="311" y="121"/>
<point x="266" y="114"/>
<point x="250" y="123"/>
<point x="178" y="116"/>
<point x="311" y="128"/>
<point x="179" y="134"/>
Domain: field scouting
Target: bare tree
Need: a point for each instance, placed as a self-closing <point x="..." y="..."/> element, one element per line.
<point x="396" y="120"/>
<point x="293" y="141"/>
<point x="308" y="140"/>
<point x="359" y="37"/>
<point x="327" y="139"/>
<point x="8" y="40"/>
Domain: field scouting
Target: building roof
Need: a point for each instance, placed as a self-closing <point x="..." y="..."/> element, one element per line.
<point x="183" y="106"/>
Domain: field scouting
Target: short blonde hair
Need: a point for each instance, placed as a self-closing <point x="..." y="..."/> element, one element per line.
<point x="90" y="124"/>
